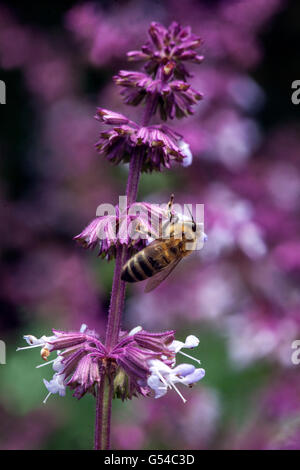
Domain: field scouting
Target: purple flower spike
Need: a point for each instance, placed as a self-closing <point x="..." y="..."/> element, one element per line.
<point x="174" y="98"/>
<point x="177" y="99"/>
<point x="159" y="145"/>
<point x="132" y="226"/>
<point x="167" y="49"/>
<point x="140" y="363"/>
<point x="164" y="84"/>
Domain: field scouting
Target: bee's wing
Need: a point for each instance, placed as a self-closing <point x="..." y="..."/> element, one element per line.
<point x="161" y="276"/>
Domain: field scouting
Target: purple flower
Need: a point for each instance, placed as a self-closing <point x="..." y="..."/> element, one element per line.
<point x="132" y="226"/>
<point x="175" y="98"/>
<point x="167" y="49"/>
<point x="164" y="376"/>
<point x="164" y="84"/>
<point x="159" y="144"/>
<point x="110" y="117"/>
<point x="141" y="362"/>
<point x="136" y="85"/>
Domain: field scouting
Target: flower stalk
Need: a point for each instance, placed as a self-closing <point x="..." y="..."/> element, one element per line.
<point x="117" y="300"/>
<point x="135" y="363"/>
<point x="103" y="413"/>
<point x="163" y="68"/>
<point x="142" y="363"/>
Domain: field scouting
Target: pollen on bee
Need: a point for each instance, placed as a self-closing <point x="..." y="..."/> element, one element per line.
<point x="45" y="353"/>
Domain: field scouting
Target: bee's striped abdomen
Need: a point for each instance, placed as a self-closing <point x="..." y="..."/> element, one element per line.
<point x="137" y="268"/>
<point x="149" y="261"/>
<point x="144" y="263"/>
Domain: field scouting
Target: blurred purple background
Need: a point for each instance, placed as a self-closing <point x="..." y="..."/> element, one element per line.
<point x="240" y="294"/>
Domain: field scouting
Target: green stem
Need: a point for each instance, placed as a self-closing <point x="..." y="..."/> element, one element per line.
<point x="103" y="413"/>
<point x="105" y="389"/>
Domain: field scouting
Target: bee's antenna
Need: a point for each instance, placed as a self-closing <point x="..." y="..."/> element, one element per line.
<point x="191" y="213"/>
<point x="194" y="223"/>
<point x="170" y="205"/>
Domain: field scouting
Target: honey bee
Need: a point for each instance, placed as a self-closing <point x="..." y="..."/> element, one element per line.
<point x="157" y="260"/>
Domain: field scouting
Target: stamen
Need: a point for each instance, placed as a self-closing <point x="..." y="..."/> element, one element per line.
<point x="29" y="347"/>
<point x="45" y="400"/>
<point x="45" y="363"/>
<point x="191" y="357"/>
<point x="163" y="379"/>
<point x="176" y="389"/>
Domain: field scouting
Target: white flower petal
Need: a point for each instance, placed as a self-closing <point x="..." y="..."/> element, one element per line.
<point x="135" y="330"/>
<point x="197" y="375"/>
<point x="56" y="384"/>
<point x="159" y="388"/>
<point x="191" y="342"/>
<point x="185" y="149"/>
<point x="183" y="370"/>
<point x="32" y="340"/>
<point x="176" y="346"/>
<point x="159" y="366"/>
<point x="58" y="366"/>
